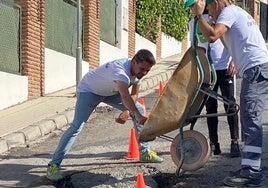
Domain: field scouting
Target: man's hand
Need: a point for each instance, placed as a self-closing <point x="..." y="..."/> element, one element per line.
<point x="123" y="117"/>
<point x="140" y="119"/>
<point x="198" y="7"/>
<point x="231" y="69"/>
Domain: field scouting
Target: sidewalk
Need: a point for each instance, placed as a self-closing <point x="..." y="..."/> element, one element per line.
<point x="35" y="118"/>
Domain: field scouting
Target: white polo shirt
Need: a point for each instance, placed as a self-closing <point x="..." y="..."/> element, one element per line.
<point x="243" y="38"/>
<point x="101" y="80"/>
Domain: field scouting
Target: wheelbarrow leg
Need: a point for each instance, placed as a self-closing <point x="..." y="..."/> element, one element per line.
<point x="180" y="171"/>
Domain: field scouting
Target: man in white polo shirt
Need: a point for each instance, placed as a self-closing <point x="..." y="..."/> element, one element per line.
<point x="243" y="39"/>
<point x="108" y="83"/>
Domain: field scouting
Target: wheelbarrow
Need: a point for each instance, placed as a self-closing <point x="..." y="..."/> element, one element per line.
<point x="180" y="104"/>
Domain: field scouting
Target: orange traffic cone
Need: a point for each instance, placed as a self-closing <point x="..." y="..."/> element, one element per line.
<point x="161" y="88"/>
<point x="133" y="150"/>
<point x="140" y="181"/>
<point x="142" y="101"/>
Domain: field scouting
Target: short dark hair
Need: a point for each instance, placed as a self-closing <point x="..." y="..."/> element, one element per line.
<point x="144" y="55"/>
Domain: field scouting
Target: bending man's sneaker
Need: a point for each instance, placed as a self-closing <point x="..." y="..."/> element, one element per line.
<point x="239" y="181"/>
<point x="53" y="173"/>
<point x="150" y="157"/>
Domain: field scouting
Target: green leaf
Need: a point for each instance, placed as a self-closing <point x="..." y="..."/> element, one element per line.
<point x="174" y="18"/>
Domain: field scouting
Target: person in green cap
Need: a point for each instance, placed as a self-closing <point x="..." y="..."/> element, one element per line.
<point x="188" y="3"/>
<point x="240" y="34"/>
<point x="225" y="71"/>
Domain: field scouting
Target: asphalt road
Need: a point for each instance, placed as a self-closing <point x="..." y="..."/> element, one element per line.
<point x="97" y="158"/>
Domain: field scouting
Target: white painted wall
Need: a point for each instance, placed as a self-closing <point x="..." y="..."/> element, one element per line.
<point x="60" y="71"/>
<point x="170" y="46"/>
<point x="14" y="89"/>
<point x="109" y="52"/>
<point x="143" y="43"/>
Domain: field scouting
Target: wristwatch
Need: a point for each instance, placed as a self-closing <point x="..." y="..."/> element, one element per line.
<point x="197" y="17"/>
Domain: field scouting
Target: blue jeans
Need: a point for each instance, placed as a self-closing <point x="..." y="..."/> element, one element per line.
<point x="253" y="97"/>
<point x="85" y="105"/>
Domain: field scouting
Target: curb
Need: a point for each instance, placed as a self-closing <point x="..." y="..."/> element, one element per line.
<point x="60" y="120"/>
<point x="36" y="130"/>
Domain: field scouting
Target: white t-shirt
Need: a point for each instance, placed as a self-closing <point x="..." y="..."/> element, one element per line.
<point x="101" y="80"/>
<point x="219" y="55"/>
<point x="243" y="38"/>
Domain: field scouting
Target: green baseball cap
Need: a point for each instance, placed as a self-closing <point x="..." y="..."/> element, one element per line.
<point x="209" y="1"/>
<point x="188" y="3"/>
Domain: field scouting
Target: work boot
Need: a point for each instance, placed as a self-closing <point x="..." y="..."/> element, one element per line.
<point x="217" y="149"/>
<point x="235" y="150"/>
<point x="240" y="181"/>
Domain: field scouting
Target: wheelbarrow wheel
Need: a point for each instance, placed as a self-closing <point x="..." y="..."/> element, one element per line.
<point x="196" y="150"/>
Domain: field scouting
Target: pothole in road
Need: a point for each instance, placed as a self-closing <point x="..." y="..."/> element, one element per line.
<point x="167" y="180"/>
<point x="64" y="182"/>
<point x="161" y="180"/>
<point x="153" y="179"/>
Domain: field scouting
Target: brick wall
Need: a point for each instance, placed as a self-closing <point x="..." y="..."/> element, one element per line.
<point x="131" y="27"/>
<point x="32" y="41"/>
<point x="91" y="32"/>
<point x="254" y="7"/>
<point x="256" y="13"/>
<point x="159" y="40"/>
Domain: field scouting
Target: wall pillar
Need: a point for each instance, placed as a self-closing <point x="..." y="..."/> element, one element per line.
<point x="91" y="45"/>
<point x="131" y="27"/>
<point x="33" y="44"/>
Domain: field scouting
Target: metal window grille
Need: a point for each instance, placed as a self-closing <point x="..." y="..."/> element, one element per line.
<point x="10" y="47"/>
<point x="61" y="26"/>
